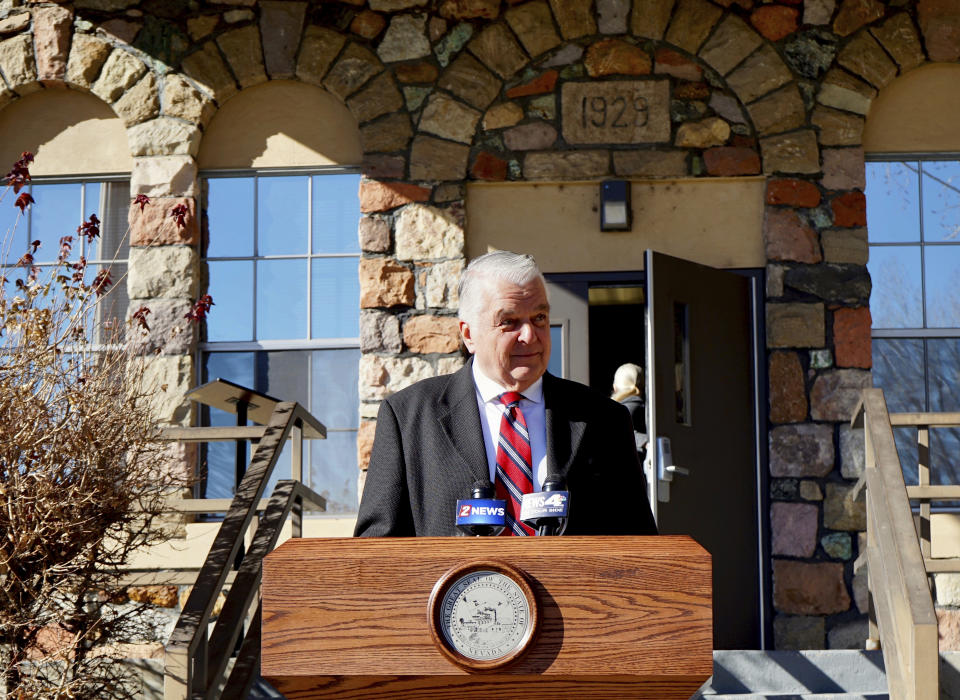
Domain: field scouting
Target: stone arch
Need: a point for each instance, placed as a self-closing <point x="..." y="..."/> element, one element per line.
<point x="342" y="66"/>
<point x="55" y="55"/>
<point x="117" y="76"/>
<point x="538" y="36"/>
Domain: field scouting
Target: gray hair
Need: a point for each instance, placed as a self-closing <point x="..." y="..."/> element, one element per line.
<point x="503" y="265"/>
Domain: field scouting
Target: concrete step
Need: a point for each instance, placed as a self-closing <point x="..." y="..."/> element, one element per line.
<point x="826" y="675"/>
<point x="805" y="696"/>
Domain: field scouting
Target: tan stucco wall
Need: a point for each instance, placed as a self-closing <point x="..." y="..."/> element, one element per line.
<point x="716" y="222"/>
<point x="69" y="133"/>
<point x="907" y="115"/>
<point x="190" y="551"/>
<point x="317" y="129"/>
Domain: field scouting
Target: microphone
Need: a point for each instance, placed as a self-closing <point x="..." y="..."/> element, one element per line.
<point x="547" y="510"/>
<point x="483" y="514"/>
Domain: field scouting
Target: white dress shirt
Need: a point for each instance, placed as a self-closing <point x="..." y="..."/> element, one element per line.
<point x="492" y="412"/>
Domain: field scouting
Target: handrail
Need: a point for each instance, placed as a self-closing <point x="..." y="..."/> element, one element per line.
<point x="900" y="600"/>
<point x="193" y="668"/>
<point x="941" y="420"/>
<point x="287" y="496"/>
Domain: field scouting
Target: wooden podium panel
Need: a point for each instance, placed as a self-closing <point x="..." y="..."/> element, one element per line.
<point x="621" y="617"/>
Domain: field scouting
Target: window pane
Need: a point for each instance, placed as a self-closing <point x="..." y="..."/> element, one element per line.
<point x="281" y="299"/>
<point x="905" y="438"/>
<point x="336" y="211"/>
<point x="13" y="232"/>
<point x="111" y="203"/>
<point x="231" y="286"/>
<point x="236" y="367"/>
<point x="221" y="456"/>
<point x="218" y="469"/>
<point x="945" y="456"/>
<point x="56" y="214"/>
<point x="92" y="205"/>
<point x="282" y="216"/>
<point x="941" y="201"/>
<point x="898" y="370"/>
<point x="284" y="374"/>
<point x="893" y="202"/>
<point x="555" y="366"/>
<point x="10" y="290"/>
<point x="111" y="309"/>
<point x="91" y="198"/>
<point x="333" y="384"/>
<point x="330" y="376"/>
<point x="333" y="470"/>
<point x="229" y="210"/>
<point x="895" y="301"/>
<point x="335" y="290"/>
<point x="942" y="286"/>
<point x="943" y="374"/>
<point x="282" y="470"/>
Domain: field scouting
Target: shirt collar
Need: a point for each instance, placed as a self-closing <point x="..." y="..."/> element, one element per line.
<point x="489" y="389"/>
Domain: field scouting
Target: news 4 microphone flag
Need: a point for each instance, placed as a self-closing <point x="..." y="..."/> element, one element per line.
<point x="545" y="504"/>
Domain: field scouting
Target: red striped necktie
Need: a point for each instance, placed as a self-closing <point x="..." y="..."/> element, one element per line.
<point x="514" y="462"/>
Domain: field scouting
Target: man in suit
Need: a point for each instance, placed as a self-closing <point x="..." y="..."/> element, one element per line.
<point x="502" y="419"/>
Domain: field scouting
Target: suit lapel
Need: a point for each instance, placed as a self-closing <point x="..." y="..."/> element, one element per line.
<point x="565" y="428"/>
<point x="459" y="418"/>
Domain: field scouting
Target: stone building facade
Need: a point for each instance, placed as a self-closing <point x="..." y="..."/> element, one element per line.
<point x="450" y="92"/>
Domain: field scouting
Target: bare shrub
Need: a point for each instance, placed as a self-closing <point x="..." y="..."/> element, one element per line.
<point x="82" y="475"/>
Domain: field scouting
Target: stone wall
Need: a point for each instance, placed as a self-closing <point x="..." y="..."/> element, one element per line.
<point x="448" y="91"/>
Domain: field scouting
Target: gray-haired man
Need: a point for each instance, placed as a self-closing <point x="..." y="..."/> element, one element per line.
<point x="502" y="418"/>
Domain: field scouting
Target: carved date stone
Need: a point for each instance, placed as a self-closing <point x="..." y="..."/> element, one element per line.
<point x="619" y="111"/>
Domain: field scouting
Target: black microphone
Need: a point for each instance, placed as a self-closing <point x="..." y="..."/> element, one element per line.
<point x="547" y="510"/>
<point x="482" y="514"/>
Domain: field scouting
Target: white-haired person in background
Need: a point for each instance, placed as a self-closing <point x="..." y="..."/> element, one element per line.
<point x="628" y="391"/>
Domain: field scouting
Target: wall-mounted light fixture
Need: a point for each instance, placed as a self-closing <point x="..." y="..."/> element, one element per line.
<point x="615" y="205"/>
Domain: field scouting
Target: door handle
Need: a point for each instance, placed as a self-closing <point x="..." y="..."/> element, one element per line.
<point x="666" y="469"/>
<point x="665" y="466"/>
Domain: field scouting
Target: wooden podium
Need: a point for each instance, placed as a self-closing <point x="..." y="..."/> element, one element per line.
<point x="616" y="617"/>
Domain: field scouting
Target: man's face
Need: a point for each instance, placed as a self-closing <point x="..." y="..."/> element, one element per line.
<point x="510" y="336"/>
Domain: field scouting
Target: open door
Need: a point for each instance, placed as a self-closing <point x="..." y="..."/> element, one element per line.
<point x="702" y="416"/>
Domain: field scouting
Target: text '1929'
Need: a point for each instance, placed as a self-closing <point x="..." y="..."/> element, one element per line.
<point x="624" y="111"/>
<point x="600" y="111"/>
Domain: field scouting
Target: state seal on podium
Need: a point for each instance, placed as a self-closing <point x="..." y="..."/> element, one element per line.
<point x="483" y="615"/>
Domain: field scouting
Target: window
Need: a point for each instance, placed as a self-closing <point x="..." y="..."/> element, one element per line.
<point x="60" y="207"/>
<point x="913" y="214"/>
<point x="281" y="259"/>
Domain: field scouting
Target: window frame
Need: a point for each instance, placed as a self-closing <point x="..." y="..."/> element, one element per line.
<point x="921" y="333"/>
<point x="93" y="264"/>
<point x="205" y="347"/>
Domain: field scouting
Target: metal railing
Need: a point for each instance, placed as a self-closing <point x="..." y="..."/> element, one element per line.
<point x="195" y="663"/>
<point x="902" y="617"/>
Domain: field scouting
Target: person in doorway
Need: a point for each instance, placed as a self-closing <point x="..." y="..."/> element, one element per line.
<point x="628" y="391"/>
<point x="502" y="418"/>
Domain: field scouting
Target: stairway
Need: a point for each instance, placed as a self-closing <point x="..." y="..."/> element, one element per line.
<point x="796" y="675"/>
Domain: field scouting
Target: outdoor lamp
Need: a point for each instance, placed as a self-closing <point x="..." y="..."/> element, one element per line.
<point x="615" y="205"/>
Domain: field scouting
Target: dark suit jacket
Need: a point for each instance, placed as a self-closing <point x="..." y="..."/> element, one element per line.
<point x="428" y="452"/>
